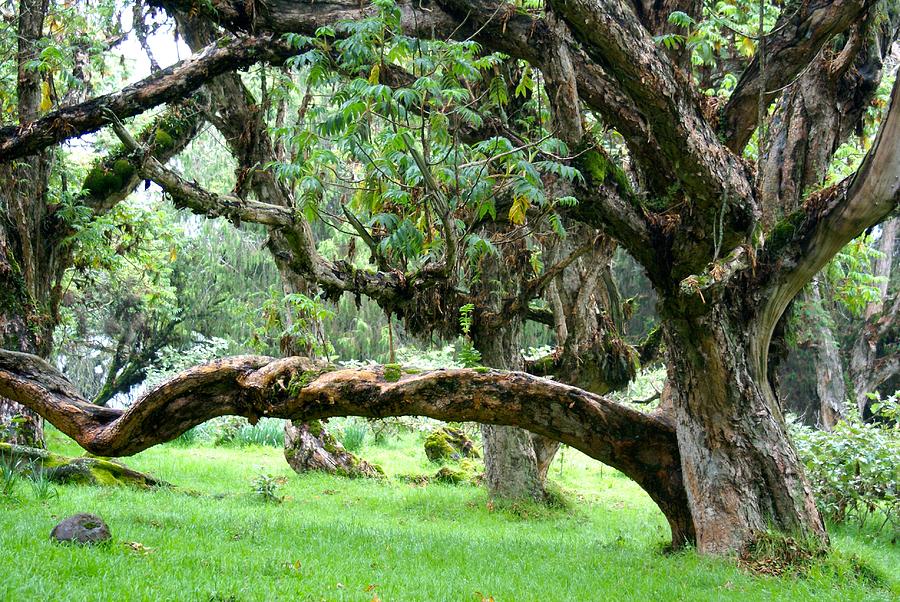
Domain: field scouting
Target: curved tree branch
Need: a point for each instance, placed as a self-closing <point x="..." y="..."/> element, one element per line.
<point x="832" y="218"/>
<point x="642" y="446"/>
<point x="799" y="36"/>
<point x="170" y="84"/>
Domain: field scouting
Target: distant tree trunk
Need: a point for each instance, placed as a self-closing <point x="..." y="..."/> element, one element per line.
<point x="830" y="389"/>
<point x="511" y="468"/>
<point x="870" y="363"/>
<point x="308" y="446"/>
<point x="26" y="263"/>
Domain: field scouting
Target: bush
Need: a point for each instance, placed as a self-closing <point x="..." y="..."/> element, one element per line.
<point x="266" y="487"/>
<point x="853" y="470"/>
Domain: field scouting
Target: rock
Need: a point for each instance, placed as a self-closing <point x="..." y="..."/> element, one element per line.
<point x="78" y="471"/>
<point x="448" y="443"/>
<point x="81" y="528"/>
<point x="450" y="476"/>
<point x="309" y="446"/>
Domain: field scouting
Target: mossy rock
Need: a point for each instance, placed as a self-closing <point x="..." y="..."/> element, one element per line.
<point x="76" y="471"/>
<point x="448" y="443"/>
<point x="450" y="476"/>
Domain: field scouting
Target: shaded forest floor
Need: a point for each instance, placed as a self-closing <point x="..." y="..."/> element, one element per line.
<point x="338" y="539"/>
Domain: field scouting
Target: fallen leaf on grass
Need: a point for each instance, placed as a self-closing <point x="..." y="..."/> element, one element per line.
<point x="138" y="547"/>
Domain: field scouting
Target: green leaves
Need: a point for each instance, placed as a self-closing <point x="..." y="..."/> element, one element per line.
<point x="853" y="470"/>
<point x="393" y="135"/>
<point x="850" y="275"/>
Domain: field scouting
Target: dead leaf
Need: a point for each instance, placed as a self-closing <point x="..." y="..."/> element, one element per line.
<point x="139" y="548"/>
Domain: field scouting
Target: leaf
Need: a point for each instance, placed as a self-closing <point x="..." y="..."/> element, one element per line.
<point x="46" y="101"/>
<point x="517" y="211"/>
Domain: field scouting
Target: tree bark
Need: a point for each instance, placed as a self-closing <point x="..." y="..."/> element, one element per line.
<point x="741" y="472"/>
<point x="511" y="469"/>
<point x="641" y="446"/>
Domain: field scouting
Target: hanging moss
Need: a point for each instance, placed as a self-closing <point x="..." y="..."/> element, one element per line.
<point x="102" y="181"/>
<point x="162" y="140"/>
<point x="109" y="175"/>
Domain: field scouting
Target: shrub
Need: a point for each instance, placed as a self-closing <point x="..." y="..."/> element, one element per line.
<point x="853" y="470"/>
<point x="266" y="487"/>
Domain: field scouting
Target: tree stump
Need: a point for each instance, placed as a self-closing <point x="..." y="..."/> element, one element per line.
<point x="309" y="446"/>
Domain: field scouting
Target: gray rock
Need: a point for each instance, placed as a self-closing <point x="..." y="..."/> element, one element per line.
<point x="81" y="528"/>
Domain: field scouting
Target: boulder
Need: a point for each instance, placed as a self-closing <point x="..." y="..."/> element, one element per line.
<point x="86" y="529"/>
<point x="449" y="443"/>
<point x="77" y="471"/>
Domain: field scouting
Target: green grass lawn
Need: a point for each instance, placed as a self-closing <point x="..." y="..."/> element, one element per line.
<point x="340" y="539"/>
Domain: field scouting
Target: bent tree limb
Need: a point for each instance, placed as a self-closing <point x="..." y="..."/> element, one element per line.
<point x="643" y="447"/>
<point x="168" y="85"/>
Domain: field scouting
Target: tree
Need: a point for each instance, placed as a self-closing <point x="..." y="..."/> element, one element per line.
<point x="724" y="254"/>
<point x="874" y="357"/>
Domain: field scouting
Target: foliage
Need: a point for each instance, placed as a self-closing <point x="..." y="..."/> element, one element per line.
<point x="886" y="410"/>
<point x="469" y="357"/>
<point x="234" y="432"/>
<point x="850" y="275"/>
<point x="266" y="487"/>
<point x="10" y="470"/>
<point x="41" y="485"/>
<point x="352" y="435"/>
<point x="297" y="321"/>
<point x="170" y="361"/>
<point x="853" y="470"/>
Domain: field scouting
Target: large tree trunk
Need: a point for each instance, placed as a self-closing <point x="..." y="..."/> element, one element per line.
<point x="17" y="315"/>
<point x="741" y="472"/>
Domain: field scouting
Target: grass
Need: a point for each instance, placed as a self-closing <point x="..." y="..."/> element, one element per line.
<point x="342" y="539"/>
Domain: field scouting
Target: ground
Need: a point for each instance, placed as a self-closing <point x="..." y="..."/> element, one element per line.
<point x="339" y="539"/>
